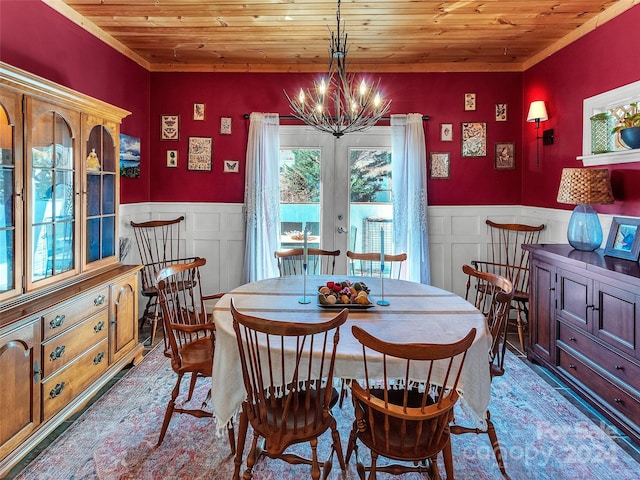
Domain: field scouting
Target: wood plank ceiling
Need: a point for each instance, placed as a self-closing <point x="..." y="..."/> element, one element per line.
<point x="384" y="35"/>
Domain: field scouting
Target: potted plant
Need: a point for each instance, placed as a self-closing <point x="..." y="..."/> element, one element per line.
<point x="629" y="127"/>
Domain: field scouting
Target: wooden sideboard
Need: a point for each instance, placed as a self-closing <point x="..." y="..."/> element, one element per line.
<point x="584" y="323"/>
<point x="58" y="350"/>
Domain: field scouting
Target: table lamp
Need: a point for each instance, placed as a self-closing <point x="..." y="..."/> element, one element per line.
<point x="584" y="187"/>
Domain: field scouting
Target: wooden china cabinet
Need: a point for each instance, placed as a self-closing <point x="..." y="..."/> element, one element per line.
<point x="68" y="308"/>
<point x="584" y="325"/>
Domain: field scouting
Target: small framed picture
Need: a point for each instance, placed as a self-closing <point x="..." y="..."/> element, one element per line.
<point x="230" y="166"/>
<point x="200" y="153"/>
<point x="440" y="165"/>
<point x="469" y="101"/>
<point x="225" y="125"/>
<point x="198" y="111"/>
<point x="505" y="156"/>
<point x="501" y="112"/>
<point x="446" y="132"/>
<point x="172" y="158"/>
<point x="170" y="127"/>
<point x="474" y="139"/>
<point x="624" y="239"/>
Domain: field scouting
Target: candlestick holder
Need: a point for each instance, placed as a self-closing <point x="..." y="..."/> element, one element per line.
<point x="304" y="300"/>
<point x="382" y="302"/>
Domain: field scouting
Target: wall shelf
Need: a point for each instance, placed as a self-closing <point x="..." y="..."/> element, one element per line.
<point x="604" y="102"/>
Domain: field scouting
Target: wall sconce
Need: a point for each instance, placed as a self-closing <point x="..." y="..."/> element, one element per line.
<point x="538" y="113"/>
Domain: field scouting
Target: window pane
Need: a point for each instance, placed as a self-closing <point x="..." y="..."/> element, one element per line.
<point x="299" y="196"/>
<point x="7" y="259"/>
<point x="370" y="194"/>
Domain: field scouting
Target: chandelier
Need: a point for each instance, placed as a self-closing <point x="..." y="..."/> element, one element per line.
<point x="339" y="104"/>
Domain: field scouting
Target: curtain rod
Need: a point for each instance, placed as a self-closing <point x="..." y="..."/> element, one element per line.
<point x="291" y="117"/>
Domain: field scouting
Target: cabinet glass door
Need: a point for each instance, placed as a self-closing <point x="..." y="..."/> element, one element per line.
<point x="52" y="232"/>
<point x="10" y="179"/>
<point x="101" y="195"/>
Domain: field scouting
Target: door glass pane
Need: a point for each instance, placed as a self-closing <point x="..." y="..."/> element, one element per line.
<point x="371" y="205"/>
<point x="93" y="243"/>
<point x="108" y="236"/>
<point x="299" y="196"/>
<point x="52" y="197"/>
<point x="7" y="227"/>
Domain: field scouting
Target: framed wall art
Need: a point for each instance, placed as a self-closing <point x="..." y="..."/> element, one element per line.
<point x="129" y="156"/>
<point x="469" y="101"/>
<point x="505" y="156"/>
<point x="501" y="112"/>
<point x="200" y="153"/>
<point x="230" y="166"/>
<point x="474" y="139"/>
<point x="446" y="132"/>
<point x="172" y="158"/>
<point x="624" y="239"/>
<point x="198" y="111"/>
<point x="440" y="165"/>
<point x="170" y="127"/>
<point x="225" y="125"/>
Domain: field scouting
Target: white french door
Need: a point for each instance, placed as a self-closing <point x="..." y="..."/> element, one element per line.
<point x="338" y="189"/>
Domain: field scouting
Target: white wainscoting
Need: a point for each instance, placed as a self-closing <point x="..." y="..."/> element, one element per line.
<point x="457" y="235"/>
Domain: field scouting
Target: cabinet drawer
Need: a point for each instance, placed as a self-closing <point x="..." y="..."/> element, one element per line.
<point x="59" y="389"/>
<point x="65" y="317"/>
<point x="616" y="400"/>
<point x="615" y="365"/>
<point x="64" y="348"/>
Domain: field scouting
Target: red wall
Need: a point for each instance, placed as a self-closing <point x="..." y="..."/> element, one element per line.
<point x="603" y="60"/>
<point x="439" y="95"/>
<point x="36" y="38"/>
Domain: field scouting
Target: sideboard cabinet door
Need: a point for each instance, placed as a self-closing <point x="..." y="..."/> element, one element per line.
<point x="20" y="367"/>
<point x="124" y="317"/>
<point x="542" y="312"/>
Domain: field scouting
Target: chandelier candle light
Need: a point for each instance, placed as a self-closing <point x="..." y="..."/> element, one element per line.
<point x="305" y="262"/>
<point x="382" y="301"/>
<point x="340" y="103"/>
<point x="584" y="187"/>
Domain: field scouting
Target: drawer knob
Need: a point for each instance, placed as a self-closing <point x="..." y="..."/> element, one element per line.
<point x="619" y="367"/>
<point x="618" y="400"/>
<point x="57" y="353"/>
<point x="56" y="322"/>
<point x="572" y="366"/>
<point x="98" y="358"/>
<point x="98" y="326"/>
<point x="57" y="390"/>
<point x="572" y="339"/>
<point x="99" y="300"/>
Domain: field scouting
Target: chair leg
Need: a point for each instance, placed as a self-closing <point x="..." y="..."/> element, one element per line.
<point x="170" y="407"/>
<point x="242" y="435"/>
<point x="351" y="446"/>
<point x="520" y="327"/>
<point x="338" y="446"/>
<point x="232" y="437"/>
<point x="493" y="437"/>
<point x="192" y="385"/>
<point x="448" y="461"/>
<point x="252" y="457"/>
<point x="315" y="466"/>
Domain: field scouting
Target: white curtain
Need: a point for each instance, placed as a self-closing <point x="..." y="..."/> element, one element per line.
<point x="262" y="197"/>
<point x="409" y="184"/>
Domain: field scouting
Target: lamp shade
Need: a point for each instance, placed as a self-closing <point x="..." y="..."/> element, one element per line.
<point x="537" y="111"/>
<point x="585" y="186"/>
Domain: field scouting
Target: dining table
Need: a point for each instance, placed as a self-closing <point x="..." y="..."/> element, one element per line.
<point x="416" y="313"/>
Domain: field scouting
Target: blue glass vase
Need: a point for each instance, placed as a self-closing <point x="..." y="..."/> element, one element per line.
<point x="584" y="232"/>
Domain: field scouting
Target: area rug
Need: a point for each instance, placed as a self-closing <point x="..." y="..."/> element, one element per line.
<point x="541" y="434"/>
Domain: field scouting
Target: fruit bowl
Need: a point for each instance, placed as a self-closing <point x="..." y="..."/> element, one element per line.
<point x="344" y="294"/>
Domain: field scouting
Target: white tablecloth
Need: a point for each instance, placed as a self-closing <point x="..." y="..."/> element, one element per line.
<point x="417" y="313"/>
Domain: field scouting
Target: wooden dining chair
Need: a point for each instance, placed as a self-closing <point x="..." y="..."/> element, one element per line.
<point x="320" y="262"/>
<point x="401" y="410"/>
<point x="491" y="294"/>
<point x="190" y="332"/>
<point x="287" y="370"/>
<point x="159" y="246"/>
<point x="507" y="258"/>
<point x="368" y="264"/>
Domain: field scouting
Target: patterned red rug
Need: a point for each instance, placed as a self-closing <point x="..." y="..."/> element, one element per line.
<point x="541" y="434"/>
